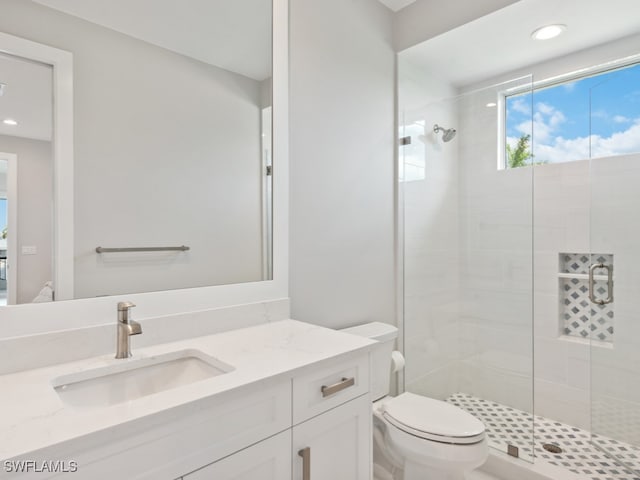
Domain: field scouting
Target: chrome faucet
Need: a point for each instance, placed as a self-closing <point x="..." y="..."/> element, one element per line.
<point x="126" y="328"/>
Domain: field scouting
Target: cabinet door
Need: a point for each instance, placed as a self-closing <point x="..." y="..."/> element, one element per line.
<point x="267" y="460"/>
<point x="335" y="445"/>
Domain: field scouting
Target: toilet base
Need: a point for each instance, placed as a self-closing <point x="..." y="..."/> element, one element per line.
<point x="389" y="466"/>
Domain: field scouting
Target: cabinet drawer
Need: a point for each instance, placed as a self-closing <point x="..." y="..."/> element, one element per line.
<point x="329" y="385"/>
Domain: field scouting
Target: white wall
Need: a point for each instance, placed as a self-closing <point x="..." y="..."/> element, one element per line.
<point x="426" y="19"/>
<point x="35" y="214"/>
<point x="342" y="169"/>
<point x="139" y="181"/>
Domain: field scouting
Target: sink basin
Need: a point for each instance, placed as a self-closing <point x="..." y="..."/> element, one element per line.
<point x="130" y="379"/>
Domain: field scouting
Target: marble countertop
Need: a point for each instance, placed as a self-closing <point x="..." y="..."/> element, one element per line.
<point x="33" y="417"/>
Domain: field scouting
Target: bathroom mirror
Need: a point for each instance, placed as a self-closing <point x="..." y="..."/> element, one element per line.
<point x="172" y="184"/>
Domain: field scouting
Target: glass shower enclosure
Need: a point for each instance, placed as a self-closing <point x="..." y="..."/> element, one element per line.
<point x="468" y="260"/>
<point x="520" y="261"/>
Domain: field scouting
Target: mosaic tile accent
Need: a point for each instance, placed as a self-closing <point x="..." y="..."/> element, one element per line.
<point x="579" y="263"/>
<point x="505" y="425"/>
<point x="580" y="317"/>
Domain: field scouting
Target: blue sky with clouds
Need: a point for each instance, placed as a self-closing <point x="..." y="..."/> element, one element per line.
<point x="592" y="117"/>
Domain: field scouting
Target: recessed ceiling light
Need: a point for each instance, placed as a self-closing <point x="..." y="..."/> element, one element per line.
<point x="491" y="104"/>
<point x="10" y="121"/>
<point x="548" y="31"/>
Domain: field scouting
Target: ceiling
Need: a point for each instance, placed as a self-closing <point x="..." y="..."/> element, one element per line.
<point x="27" y="98"/>
<point x="229" y="34"/>
<point x="396" y="5"/>
<point x="501" y="42"/>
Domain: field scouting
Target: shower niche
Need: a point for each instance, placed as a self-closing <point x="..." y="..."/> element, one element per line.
<point x="585" y="312"/>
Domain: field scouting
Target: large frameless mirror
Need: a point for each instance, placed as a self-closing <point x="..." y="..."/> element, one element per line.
<point x="171" y="147"/>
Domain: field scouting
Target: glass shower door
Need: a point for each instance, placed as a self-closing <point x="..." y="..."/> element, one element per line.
<point x="468" y="257"/>
<point x="615" y="267"/>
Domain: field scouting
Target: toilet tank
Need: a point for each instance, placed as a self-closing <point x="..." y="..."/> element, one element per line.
<point x="380" y="356"/>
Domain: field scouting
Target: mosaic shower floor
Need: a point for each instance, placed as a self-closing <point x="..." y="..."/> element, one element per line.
<point x="506" y="425"/>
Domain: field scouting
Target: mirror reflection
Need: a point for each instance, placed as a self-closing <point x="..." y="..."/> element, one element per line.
<point x="172" y="146"/>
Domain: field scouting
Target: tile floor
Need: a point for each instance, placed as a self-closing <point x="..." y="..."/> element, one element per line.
<point x="507" y="425"/>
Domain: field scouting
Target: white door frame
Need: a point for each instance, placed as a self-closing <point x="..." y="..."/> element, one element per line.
<point x="61" y="62"/>
<point x="267" y="193"/>
<point x="12" y="226"/>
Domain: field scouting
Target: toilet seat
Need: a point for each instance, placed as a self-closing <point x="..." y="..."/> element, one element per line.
<point x="433" y="420"/>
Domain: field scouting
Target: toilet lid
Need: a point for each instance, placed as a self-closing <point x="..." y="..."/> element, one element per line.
<point x="433" y="419"/>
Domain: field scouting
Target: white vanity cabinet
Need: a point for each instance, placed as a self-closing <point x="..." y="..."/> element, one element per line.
<point x="330" y="433"/>
<point x="267" y="460"/>
<point x="332" y="422"/>
<point x="335" y="445"/>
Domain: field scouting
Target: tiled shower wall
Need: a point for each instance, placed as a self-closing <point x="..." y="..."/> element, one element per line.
<point x="581" y="206"/>
<point x="578" y="207"/>
<point x="496" y="271"/>
<point x="509" y="272"/>
<point x="562" y="224"/>
<point x="615" y="228"/>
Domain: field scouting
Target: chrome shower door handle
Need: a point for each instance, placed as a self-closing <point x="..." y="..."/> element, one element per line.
<point x="592" y="296"/>
<point x="305" y="453"/>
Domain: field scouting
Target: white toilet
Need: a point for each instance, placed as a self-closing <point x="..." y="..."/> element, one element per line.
<point x="419" y="437"/>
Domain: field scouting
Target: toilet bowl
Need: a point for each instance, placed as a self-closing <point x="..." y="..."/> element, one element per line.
<point x="416" y="437"/>
<point x="434" y="439"/>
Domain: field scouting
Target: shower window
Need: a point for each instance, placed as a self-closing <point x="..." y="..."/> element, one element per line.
<point x="590" y="115"/>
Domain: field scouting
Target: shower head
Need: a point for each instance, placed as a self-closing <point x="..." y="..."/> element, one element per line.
<point x="448" y="133"/>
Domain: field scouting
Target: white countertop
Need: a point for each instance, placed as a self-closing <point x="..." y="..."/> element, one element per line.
<point x="33" y="417"/>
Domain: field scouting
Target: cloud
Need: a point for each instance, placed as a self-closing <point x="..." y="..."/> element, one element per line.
<point x="545" y="108"/>
<point x="546" y="120"/>
<point x="520" y="105"/>
<point x="621" y="119"/>
<point x="569" y="87"/>
<point x="562" y="150"/>
<point x="594" y="146"/>
<point x="601" y="114"/>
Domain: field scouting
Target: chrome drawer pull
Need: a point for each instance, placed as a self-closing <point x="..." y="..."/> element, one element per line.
<point x="305" y="453"/>
<point x="336" y="387"/>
